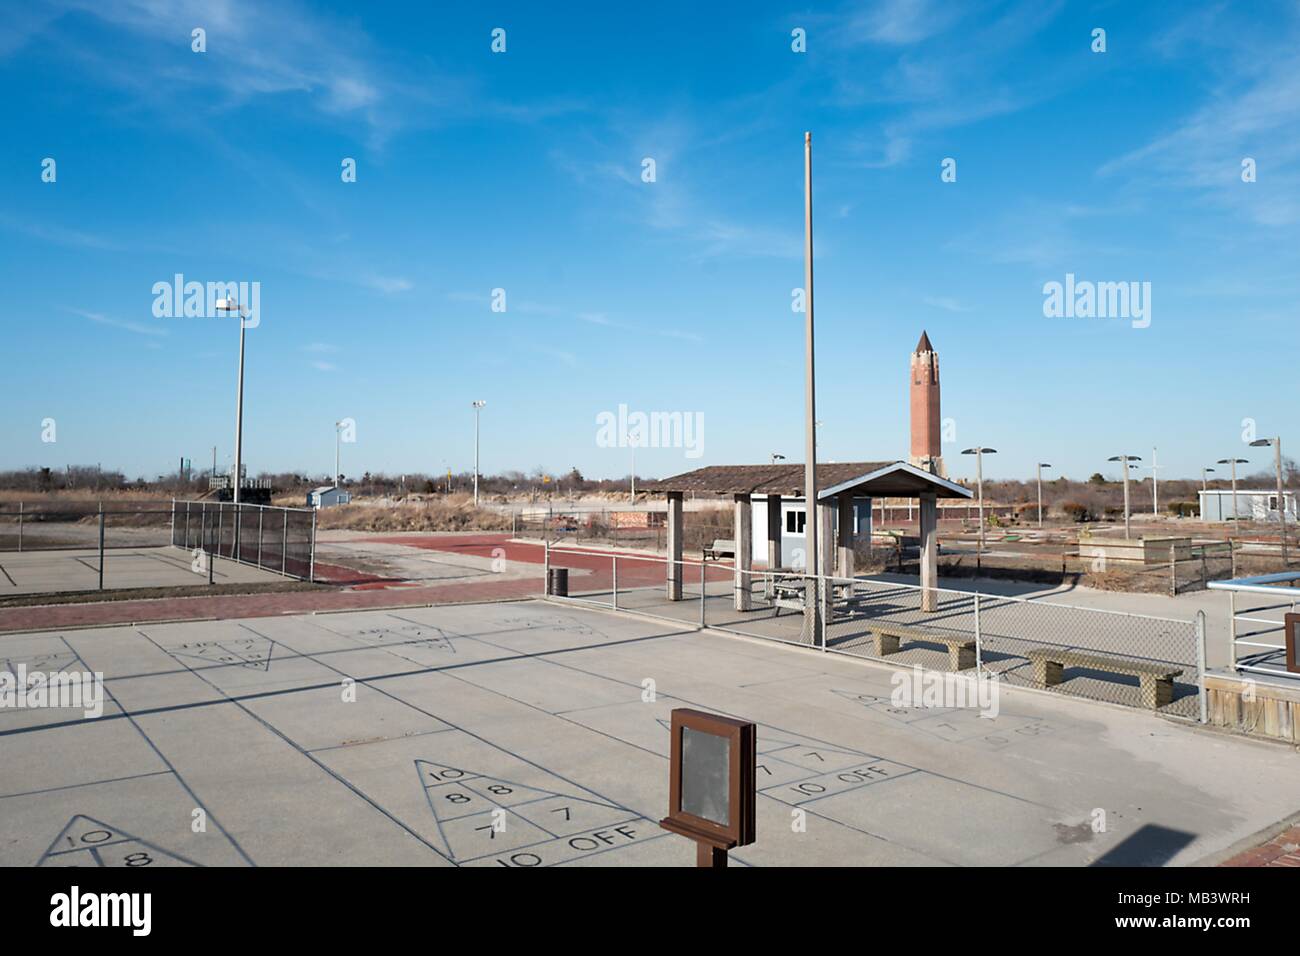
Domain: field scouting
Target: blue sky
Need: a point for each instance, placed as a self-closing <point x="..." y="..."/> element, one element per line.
<point x="522" y="171"/>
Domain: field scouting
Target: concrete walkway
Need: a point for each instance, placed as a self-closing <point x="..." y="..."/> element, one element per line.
<point x="553" y="720"/>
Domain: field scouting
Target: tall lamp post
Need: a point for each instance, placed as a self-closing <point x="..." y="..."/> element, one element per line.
<point x="1204" y="489"/>
<point x="1281" y="497"/>
<point x="1125" y="459"/>
<point x="1234" y="462"/>
<point x="979" y="454"/>
<point x="812" y="562"/>
<point x="478" y="406"/>
<point x="1041" y="466"/>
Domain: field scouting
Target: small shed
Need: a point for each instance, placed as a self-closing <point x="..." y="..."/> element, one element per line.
<point x="327" y="496"/>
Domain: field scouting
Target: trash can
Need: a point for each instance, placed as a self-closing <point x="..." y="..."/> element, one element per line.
<point x="558" y="585"/>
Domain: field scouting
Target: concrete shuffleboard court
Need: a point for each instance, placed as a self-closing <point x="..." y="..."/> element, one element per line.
<point x="48" y="572"/>
<point x="533" y="734"/>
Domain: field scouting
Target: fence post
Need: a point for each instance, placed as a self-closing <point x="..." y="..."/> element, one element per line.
<point x="210" y="551"/>
<point x="284" y="543"/>
<point x="1200" y="664"/>
<point x="173" y="541"/>
<point x="1173" y="572"/>
<point x="311" y="544"/>
<point x="1232" y="630"/>
<point x="615" y="560"/>
<point x="979" y="646"/>
<point x="101" y="545"/>
<point x="221" y="515"/>
<point x="546" y="565"/>
<point x="187" y="526"/>
<point x="20" y="526"/>
<point x="703" y="584"/>
<point x="261" y="513"/>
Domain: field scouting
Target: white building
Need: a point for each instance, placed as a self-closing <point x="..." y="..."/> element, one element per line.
<point x="327" y="496"/>
<point x="1252" y="505"/>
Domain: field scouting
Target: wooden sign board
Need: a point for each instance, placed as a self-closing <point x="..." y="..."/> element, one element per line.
<point x="711" y="783"/>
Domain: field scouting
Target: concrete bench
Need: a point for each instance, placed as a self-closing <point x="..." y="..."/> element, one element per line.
<point x="1155" y="680"/>
<point x="888" y="639"/>
<point x="722" y="548"/>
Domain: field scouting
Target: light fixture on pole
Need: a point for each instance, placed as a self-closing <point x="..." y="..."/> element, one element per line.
<point x="1125" y="459"/>
<point x="979" y="453"/>
<point x="811" y="564"/>
<point x="1041" y="466"/>
<point x="478" y="406"/>
<point x="1281" y="495"/>
<point x="776" y="458"/>
<point x="1234" y="462"/>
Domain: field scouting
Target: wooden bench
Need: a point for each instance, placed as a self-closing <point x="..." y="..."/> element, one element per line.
<point x="1155" y="680"/>
<point x="888" y="639"/>
<point x="720" y="549"/>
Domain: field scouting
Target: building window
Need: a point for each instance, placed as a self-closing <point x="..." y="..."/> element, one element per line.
<point x="1272" y="502"/>
<point x="794" y="521"/>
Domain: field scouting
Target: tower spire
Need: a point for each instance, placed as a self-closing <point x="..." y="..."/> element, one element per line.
<point x="927" y="452"/>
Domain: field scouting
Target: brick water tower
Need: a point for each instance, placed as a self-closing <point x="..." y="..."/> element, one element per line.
<point x="926" y="423"/>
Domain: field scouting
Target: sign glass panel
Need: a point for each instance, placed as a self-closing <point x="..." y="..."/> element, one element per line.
<point x="706" y="776"/>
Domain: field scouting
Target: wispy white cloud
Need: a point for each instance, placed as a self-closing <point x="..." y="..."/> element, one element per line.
<point x="1252" y="113"/>
<point x="947" y="303"/>
<point x="133" y="327"/>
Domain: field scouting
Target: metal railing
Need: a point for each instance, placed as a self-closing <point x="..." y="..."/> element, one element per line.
<point x="1261" y="649"/>
<point x="282" y="540"/>
<point x="1097" y="653"/>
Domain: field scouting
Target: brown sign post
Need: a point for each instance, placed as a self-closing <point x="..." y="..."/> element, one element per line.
<point x="1292" y="624"/>
<point x="711" y="784"/>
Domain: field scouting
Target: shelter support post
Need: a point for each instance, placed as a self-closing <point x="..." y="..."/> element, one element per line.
<point x="865" y="532"/>
<point x="844" y="536"/>
<point x="929" y="552"/>
<point x="744" y="560"/>
<point x="773" y="542"/>
<point x="826" y="559"/>
<point x="674" y="545"/>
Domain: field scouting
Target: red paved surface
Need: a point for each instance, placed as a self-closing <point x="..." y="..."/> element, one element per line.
<point x="359" y="590"/>
<point x="1282" y="850"/>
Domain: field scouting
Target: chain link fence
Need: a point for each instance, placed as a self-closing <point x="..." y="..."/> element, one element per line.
<point x="1140" y="661"/>
<point x="271" y="538"/>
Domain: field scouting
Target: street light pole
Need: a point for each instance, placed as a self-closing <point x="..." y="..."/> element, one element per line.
<point x="979" y="453"/>
<point x="1281" y="497"/>
<point x="478" y="405"/>
<point x="1041" y="466"/>
<point x="811" y="564"/>
<point x="1204" y="490"/>
<point x="1125" y="459"/>
<point x="1236" y="515"/>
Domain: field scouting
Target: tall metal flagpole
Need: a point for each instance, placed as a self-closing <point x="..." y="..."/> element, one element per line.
<point x="812" y="562"/>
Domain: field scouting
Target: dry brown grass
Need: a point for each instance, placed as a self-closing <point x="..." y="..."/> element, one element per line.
<point x="443" y="515"/>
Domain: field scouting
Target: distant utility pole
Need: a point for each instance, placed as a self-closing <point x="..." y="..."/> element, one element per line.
<point x="1155" y="486"/>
